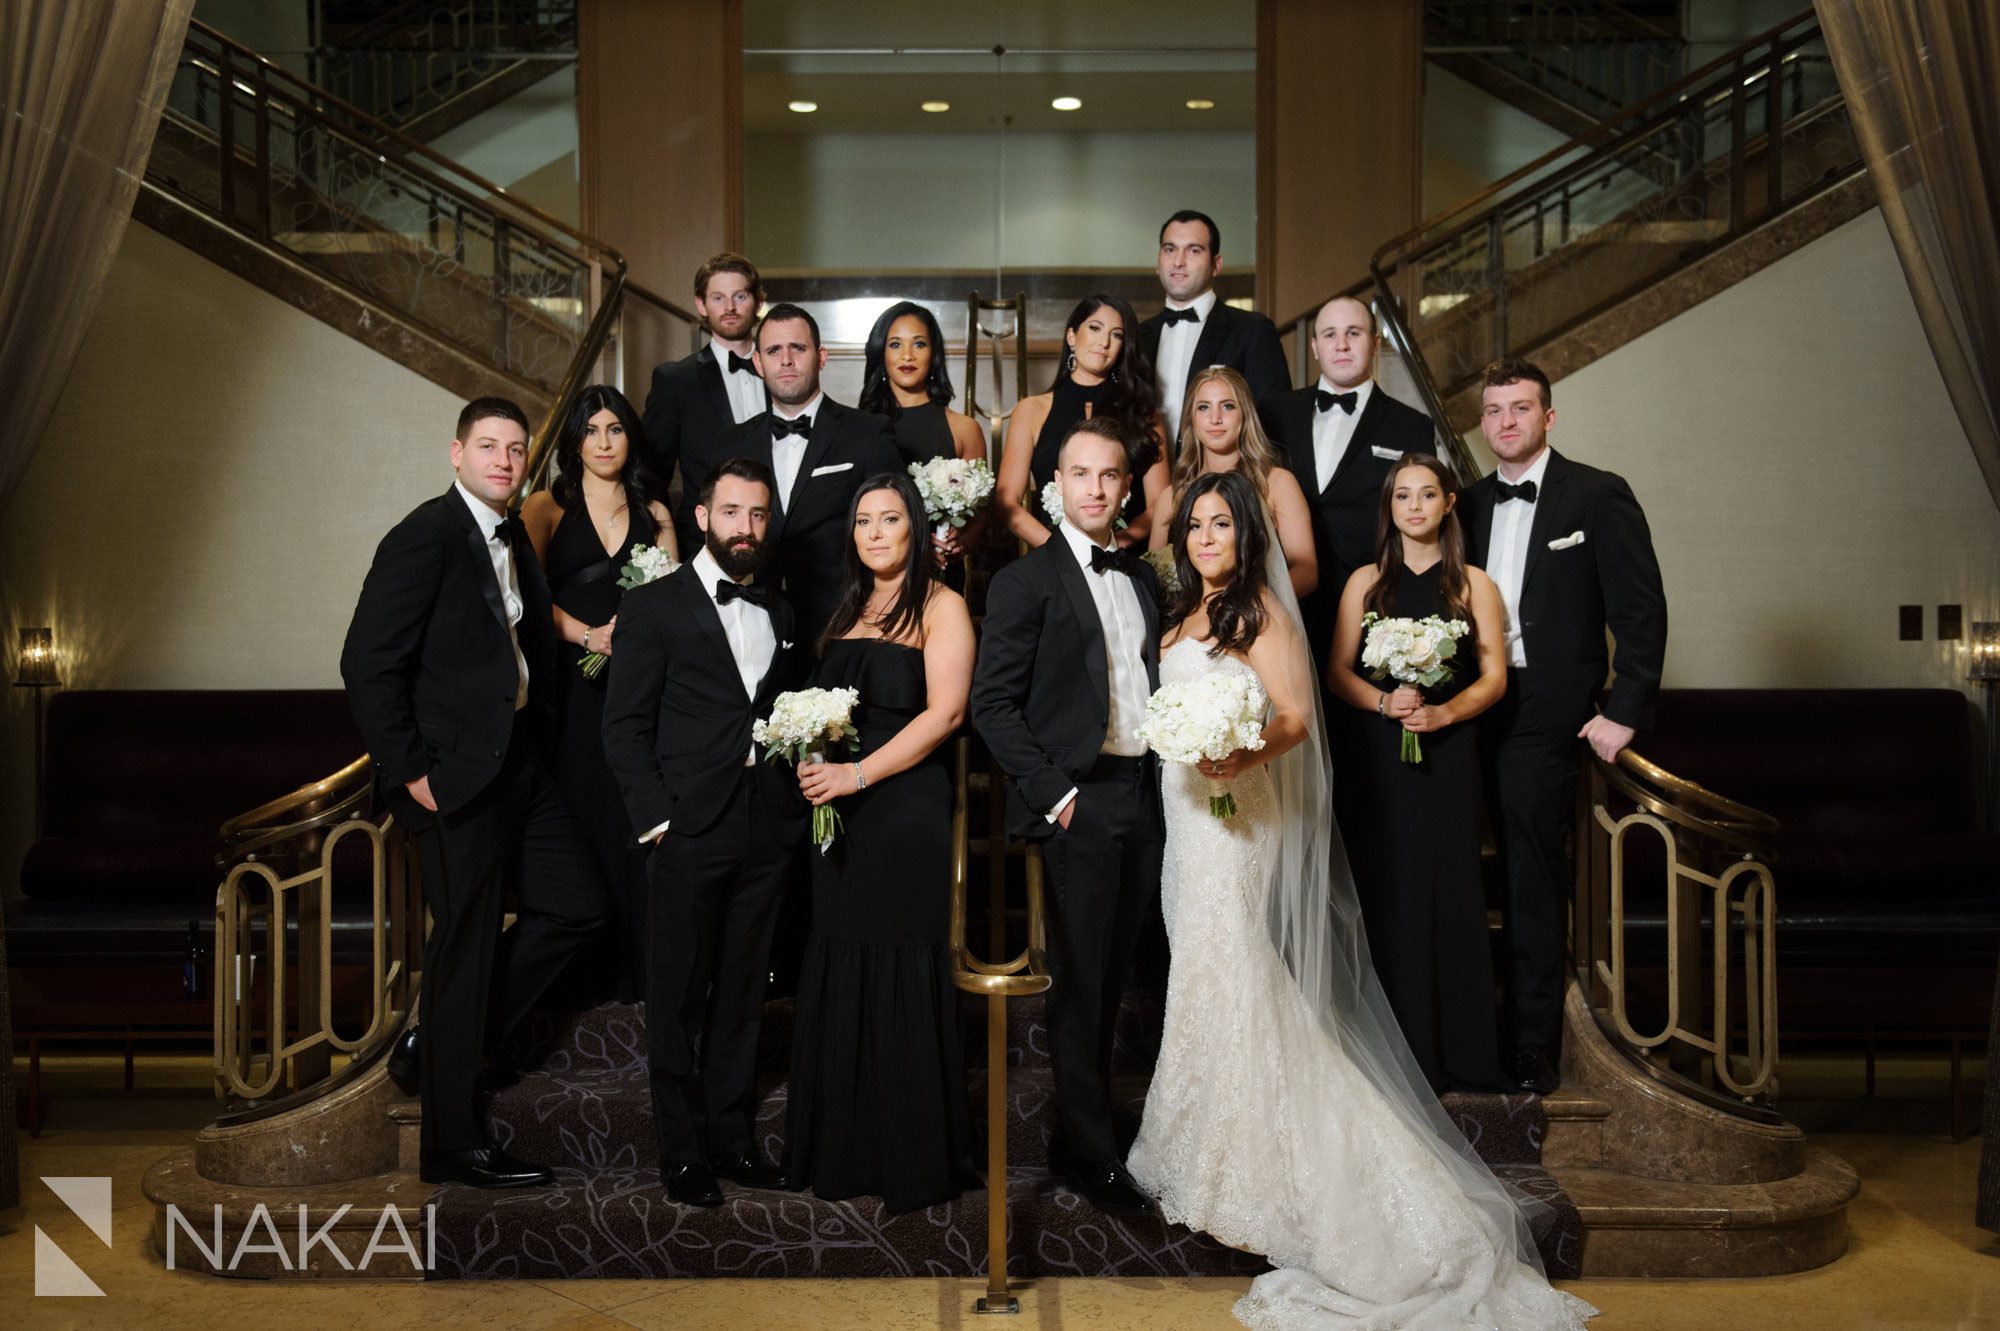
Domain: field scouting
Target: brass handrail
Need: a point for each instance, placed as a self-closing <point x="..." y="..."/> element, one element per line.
<point x="1024" y="975"/>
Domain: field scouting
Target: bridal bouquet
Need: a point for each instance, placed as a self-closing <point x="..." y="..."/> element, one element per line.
<point x="649" y="563"/>
<point x="1204" y="718"/>
<point x="1052" y="505"/>
<point x="953" y="489"/>
<point x="1411" y="651"/>
<point x="802" y="727"/>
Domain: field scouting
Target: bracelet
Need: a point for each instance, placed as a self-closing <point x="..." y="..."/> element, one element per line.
<point x="586" y="638"/>
<point x="860" y="777"/>
<point x="1381" y="704"/>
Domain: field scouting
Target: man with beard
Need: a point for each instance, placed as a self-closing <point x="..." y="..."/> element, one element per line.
<point x="694" y="400"/>
<point x="701" y="655"/>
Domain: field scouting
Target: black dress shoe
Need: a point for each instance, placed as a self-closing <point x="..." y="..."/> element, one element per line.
<point x="1109" y="1187"/>
<point x="1534" y="1070"/>
<point x="742" y="1168"/>
<point x="693" y="1184"/>
<point x="483" y="1167"/>
<point x="403" y="1064"/>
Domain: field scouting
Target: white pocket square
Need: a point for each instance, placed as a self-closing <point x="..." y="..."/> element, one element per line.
<point x="832" y="467"/>
<point x="784" y="646"/>
<point x="1388" y="454"/>
<point x="1565" y="542"/>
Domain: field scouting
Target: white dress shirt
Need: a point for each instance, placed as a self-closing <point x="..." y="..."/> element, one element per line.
<point x="1176" y="355"/>
<point x="1124" y="624"/>
<point x="790" y="450"/>
<point x="510" y="585"/>
<point x="1507" y="553"/>
<point x="745" y="389"/>
<point x="1333" y="429"/>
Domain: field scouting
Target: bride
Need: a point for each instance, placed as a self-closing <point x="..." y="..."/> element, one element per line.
<point x="1287" y="1115"/>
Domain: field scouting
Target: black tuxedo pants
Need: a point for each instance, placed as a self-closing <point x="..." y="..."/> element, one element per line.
<point x="1104" y="880"/>
<point x="715" y="903"/>
<point x="1531" y="799"/>
<point x="519" y="835"/>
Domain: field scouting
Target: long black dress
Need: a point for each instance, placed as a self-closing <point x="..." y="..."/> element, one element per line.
<point x="878" y="1101"/>
<point x="923" y="432"/>
<point x="1068" y="401"/>
<point x="1415" y="850"/>
<point x="583" y="580"/>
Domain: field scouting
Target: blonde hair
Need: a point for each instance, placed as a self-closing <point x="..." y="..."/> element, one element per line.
<point x="1255" y="454"/>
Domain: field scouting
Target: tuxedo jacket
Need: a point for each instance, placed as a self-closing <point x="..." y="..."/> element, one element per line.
<point x="1243" y="340"/>
<point x="1041" y="692"/>
<point x="1572" y="593"/>
<point x="676" y="719"/>
<point x="428" y="661"/>
<point x="687" y="407"/>
<point x="809" y="532"/>
<point x="1346" y="506"/>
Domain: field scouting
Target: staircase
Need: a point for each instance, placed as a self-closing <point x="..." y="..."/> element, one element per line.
<point x="1571" y="66"/>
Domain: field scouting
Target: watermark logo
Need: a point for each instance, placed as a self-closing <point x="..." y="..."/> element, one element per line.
<point x="261" y="1236"/>
<point x="56" y="1273"/>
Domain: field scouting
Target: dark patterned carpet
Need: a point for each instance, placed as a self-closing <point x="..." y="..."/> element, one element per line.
<point x="582" y="1108"/>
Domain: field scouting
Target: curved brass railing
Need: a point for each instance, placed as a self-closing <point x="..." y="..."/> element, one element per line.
<point x="1716" y="876"/>
<point x="1026" y="974"/>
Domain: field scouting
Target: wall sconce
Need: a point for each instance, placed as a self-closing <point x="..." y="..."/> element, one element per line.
<point x="35" y="669"/>
<point x="1982" y="667"/>
<point x="1984" y="663"/>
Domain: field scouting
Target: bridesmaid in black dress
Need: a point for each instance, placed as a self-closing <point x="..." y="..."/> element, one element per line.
<point x="602" y="502"/>
<point x="878" y="1102"/>
<point x="1415" y="840"/>
<point x="1102" y="374"/>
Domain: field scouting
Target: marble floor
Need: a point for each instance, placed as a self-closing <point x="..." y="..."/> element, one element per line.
<point x="1916" y="1260"/>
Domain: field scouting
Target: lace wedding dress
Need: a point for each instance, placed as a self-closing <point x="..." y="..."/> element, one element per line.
<point x="1262" y="1130"/>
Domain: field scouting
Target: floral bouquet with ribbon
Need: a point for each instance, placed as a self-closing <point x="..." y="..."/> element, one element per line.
<point x="1203" y="719"/>
<point x="953" y="489"/>
<point x="1411" y="651"/>
<point x="648" y="563"/>
<point x="803" y="727"/>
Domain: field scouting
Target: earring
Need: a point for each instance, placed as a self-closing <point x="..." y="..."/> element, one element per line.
<point x="1069" y="360"/>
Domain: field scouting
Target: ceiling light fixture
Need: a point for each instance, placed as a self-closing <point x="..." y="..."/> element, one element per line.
<point x="803" y="108"/>
<point x="1067" y="103"/>
<point x="935" y="107"/>
<point x="1200" y="104"/>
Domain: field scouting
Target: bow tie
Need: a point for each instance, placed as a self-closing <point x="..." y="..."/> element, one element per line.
<point x="1525" y="491"/>
<point x="727" y="591"/>
<point x="737" y="362"/>
<point x="509" y="528"/>
<point x="802" y="426"/>
<point x="1115" y="561"/>
<point x="1189" y="315"/>
<point x="1326" y="401"/>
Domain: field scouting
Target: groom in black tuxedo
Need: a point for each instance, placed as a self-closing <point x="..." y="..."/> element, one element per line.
<point x="701" y="655"/>
<point x="450" y="671"/>
<point x="1069" y="657"/>
<point x="1570" y="551"/>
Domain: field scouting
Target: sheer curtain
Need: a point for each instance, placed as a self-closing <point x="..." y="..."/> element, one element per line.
<point x="1918" y="78"/>
<point x="81" y="87"/>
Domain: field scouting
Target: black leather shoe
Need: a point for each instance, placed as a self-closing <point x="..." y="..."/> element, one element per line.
<point x="403" y="1065"/>
<point x="693" y="1184"/>
<point x="485" y="1167"/>
<point x="742" y="1168"/>
<point x="1534" y="1070"/>
<point x="1109" y="1187"/>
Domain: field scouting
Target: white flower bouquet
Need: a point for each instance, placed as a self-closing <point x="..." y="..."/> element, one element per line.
<point x="1052" y="505"/>
<point x="1205" y="718"/>
<point x="802" y="727"/>
<point x="953" y="489"/>
<point x="647" y="563"/>
<point x="1411" y="651"/>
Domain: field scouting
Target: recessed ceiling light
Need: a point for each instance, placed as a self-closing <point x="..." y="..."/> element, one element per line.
<point x="937" y="106"/>
<point x="1067" y="103"/>
<point x="1200" y="104"/>
<point x="803" y="108"/>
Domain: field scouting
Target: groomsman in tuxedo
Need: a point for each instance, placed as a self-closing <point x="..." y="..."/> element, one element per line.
<point x="1196" y="330"/>
<point x="1569" y="549"/>
<point x="701" y="655"/>
<point x="1068" y="659"/>
<point x="820" y="452"/>
<point x="450" y="671"/>
<point x="1340" y="437"/>
<point x="693" y="400"/>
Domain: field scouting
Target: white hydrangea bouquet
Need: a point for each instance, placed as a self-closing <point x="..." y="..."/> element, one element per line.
<point x="1411" y="651"/>
<point x="1052" y="505"/>
<point x="953" y="489"/>
<point x="1205" y="718"/>
<point x="804" y="725"/>
<point x="647" y="563"/>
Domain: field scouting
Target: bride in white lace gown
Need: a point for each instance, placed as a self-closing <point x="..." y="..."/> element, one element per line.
<point x="1286" y="1115"/>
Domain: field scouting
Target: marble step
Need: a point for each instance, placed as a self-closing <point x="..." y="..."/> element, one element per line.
<point x="1576" y="1124"/>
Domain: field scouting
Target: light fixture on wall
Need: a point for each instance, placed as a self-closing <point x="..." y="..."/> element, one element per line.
<point x="804" y="108"/>
<point x="935" y="107"/>
<point x="35" y="668"/>
<point x="1200" y="104"/>
<point x="1067" y="103"/>
<point x="1982" y="667"/>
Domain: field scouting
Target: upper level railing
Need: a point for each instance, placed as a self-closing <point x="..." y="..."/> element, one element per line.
<point x="1595" y="58"/>
<point x="413" y="60"/>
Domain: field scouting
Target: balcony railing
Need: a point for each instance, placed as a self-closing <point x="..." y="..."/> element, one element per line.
<point x="414" y="62"/>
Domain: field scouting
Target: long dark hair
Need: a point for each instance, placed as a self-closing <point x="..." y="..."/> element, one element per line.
<point x="1453" y="585"/>
<point x="877" y="395"/>
<point x="1236" y="613"/>
<point x="641" y="486"/>
<point x="1130" y="397"/>
<point x="857" y="580"/>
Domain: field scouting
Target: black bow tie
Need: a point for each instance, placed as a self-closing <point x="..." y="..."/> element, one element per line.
<point x="726" y="591"/>
<point x="1345" y="401"/>
<point x="737" y="362"/>
<point x="1189" y="315"/>
<point x="1525" y="490"/>
<point x="509" y="528"/>
<point x="802" y="426"/>
<point x="1115" y="561"/>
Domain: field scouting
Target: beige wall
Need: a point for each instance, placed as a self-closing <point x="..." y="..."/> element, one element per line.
<point x="207" y="498"/>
